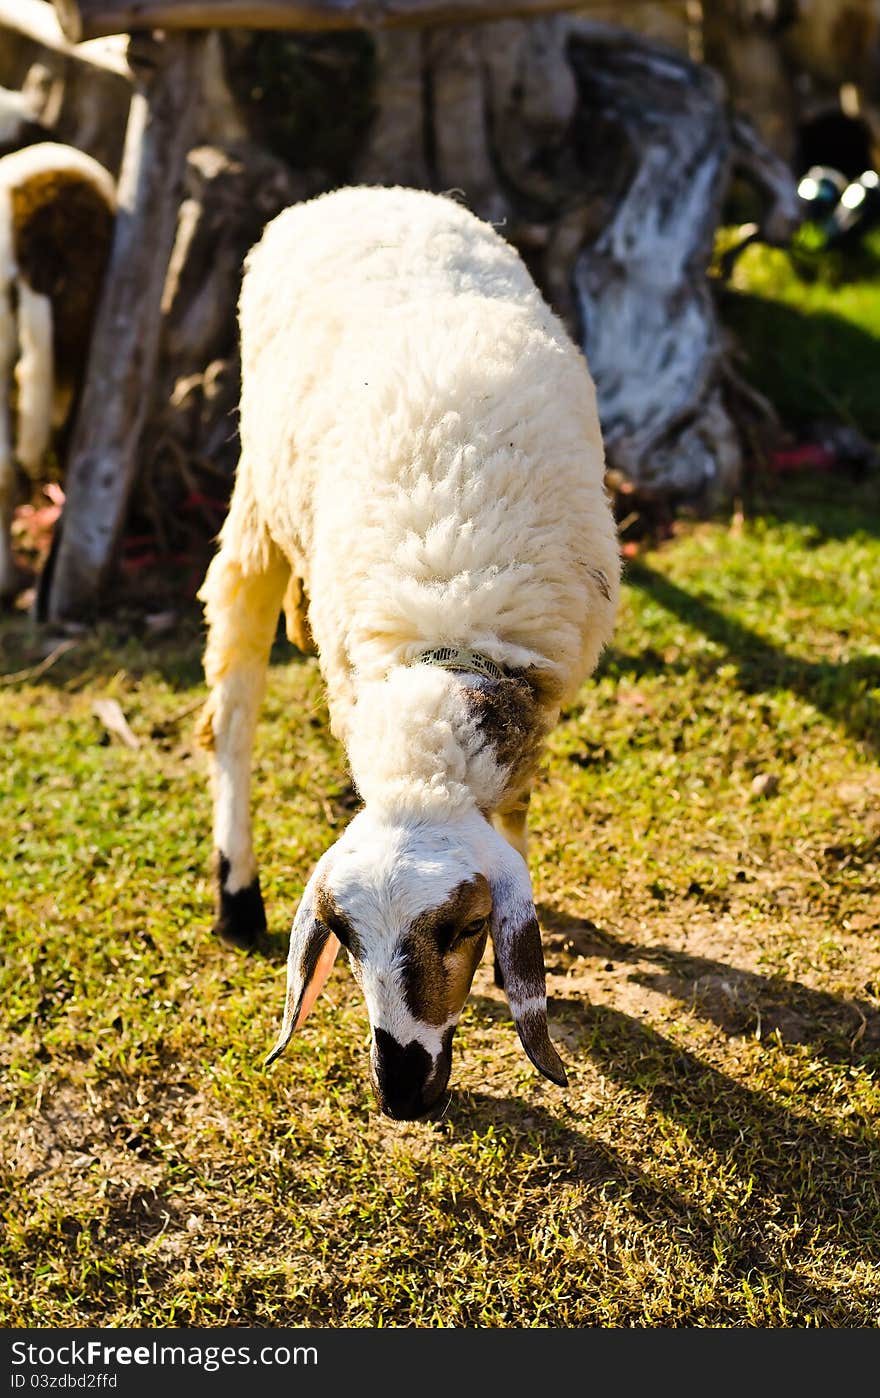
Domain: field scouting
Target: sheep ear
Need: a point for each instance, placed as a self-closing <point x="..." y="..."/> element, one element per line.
<point x="313" y="950"/>
<point x="516" y="938"/>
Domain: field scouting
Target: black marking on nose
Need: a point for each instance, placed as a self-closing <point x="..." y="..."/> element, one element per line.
<point x="401" y="1073"/>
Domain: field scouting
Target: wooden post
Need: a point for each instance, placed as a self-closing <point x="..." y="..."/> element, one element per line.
<point x="101" y="467"/>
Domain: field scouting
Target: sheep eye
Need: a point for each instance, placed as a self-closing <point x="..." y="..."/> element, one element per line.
<point x="472" y="929"/>
<point x="451" y="935"/>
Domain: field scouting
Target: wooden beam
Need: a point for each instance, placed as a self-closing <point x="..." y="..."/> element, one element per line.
<point x="37" y="20"/>
<point x="90" y="19"/>
<point x="103" y="455"/>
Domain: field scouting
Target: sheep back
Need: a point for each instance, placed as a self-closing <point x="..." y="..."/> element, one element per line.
<point x="420" y="438"/>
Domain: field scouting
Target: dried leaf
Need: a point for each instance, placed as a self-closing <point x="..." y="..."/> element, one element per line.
<point x="114" y="720"/>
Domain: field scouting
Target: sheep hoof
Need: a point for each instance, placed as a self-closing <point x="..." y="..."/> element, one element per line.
<point x="240" y="918"/>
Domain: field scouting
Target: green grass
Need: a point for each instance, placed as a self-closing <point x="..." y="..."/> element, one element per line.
<point x="714" y="971"/>
<point x="808" y="324"/>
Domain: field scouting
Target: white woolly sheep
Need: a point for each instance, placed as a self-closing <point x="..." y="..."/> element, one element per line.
<point x="421" y="488"/>
<point x="56" y="221"/>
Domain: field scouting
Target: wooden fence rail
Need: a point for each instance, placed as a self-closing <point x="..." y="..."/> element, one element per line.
<point x="89" y="19"/>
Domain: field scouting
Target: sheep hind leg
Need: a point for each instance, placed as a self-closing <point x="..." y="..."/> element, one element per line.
<point x="242" y="610"/>
<point x="512" y="823"/>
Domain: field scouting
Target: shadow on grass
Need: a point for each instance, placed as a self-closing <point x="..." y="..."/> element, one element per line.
<point x="269" y="946"/>
<point x="809" y="363"/>
<point x="836" y="690"/>
<point x="799" y="1158"/>
<point x="824" y="507"/>
<point x="738" y="1001"/>
<point x="789" y="1165"/>
<point x="593" y="1161"/>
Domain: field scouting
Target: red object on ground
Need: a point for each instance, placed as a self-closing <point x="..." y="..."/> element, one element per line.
<point x="809" y="457"/>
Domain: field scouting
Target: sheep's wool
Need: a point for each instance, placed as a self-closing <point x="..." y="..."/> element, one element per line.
<point x="420" y="440"/>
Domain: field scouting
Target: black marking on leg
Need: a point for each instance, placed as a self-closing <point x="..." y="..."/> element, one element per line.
<point x="498" y="975"/>
<point x="239" y="918"/>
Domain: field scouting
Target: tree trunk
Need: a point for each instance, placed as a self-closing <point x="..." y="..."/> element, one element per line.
<point x="103" y="455"/>
<point x="658" y="154"/>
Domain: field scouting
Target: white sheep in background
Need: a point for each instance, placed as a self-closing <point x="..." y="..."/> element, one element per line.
<point x="56" y="221"/>
<point x="421" y="488"/>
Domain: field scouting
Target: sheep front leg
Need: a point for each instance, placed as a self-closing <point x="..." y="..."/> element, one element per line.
<point x="242" y="610"/>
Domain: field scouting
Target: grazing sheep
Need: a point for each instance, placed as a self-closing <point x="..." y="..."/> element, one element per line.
<point x="421" y="490"/>
<point x="56" y="222"/>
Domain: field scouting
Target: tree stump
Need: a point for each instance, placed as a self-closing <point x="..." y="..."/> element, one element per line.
<point x="657" y="155"/>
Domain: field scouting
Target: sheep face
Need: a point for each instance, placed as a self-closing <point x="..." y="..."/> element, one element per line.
<point x="413" y="902"/>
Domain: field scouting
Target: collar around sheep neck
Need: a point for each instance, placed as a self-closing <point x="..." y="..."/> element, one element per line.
<point x="460" y="658"/>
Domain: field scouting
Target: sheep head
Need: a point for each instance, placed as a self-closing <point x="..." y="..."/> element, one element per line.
<point x="413" y="902"/>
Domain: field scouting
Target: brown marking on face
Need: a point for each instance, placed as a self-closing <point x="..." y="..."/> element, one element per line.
<point x="62" y="229"/>
<point x="331" y="916"/>
<point x="439" y="962"/>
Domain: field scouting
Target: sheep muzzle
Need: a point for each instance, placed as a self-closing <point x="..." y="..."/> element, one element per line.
<point x="407" y="1082"/>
